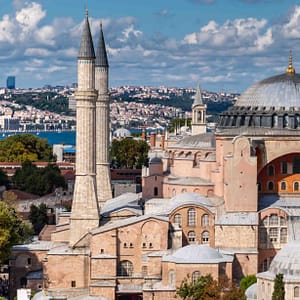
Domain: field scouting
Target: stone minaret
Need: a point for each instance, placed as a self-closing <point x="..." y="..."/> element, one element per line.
<point x="104" y="191"/>
<point x="198" y="114"/>
<point x="85" y="209"/>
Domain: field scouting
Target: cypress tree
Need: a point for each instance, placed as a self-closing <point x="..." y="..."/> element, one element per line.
<point x="278" y="292"/>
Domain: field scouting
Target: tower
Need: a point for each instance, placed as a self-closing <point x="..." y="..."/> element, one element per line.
<point x="85" y="209"/>
<point x="198" y="114"/>
<point x="104" y="191"/>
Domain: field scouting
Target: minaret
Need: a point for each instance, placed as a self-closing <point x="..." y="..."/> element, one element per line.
<point x="198" y="114"/>
<point x="104" y="191"/>
<point x="85" y="209"/>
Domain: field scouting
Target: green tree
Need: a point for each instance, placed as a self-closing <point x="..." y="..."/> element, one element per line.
<point x="278" y="292"/>
<point x="23" y="147"/>
<point x="38" y="217"/>
<point x="247" y="281"/>
<point x="38" y="181"/>
<point x="13" y="230"/>
<point x="129" y="153"/>
<point x="205" y="288"/>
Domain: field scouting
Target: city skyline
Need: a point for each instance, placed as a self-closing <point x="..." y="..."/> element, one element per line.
<point x="226" y="44"/>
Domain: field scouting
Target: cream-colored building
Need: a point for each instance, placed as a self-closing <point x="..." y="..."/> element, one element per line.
<point x="222" y="202"/>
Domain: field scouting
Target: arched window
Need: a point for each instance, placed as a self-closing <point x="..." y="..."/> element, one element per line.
<point x="125" y="268"/>
<point x="191" y="217"/>
<point x="296" y="186"/>
<point x="271" y="170"/>
<point x="195" y="276"/>
<point x="172" y="277"/>
<point x="273" y="220"/>
<point x="270" y="185"/>
<point x="205" y="220"/>
<point x="284" y="167"/>
<point x="183" y="191"/>
<point x="192" y="237"/>
<point x="283" y="235"/>
<point x="283" y="185"/>
<point x="155" y="191"/>
<point x="177" y="219"/>
<point x="205" y="237"/>
<point x="296" y="165"/>
<point x="296" y="292"/>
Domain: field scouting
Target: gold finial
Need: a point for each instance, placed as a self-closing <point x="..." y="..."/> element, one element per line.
<point x="290" y="69"/>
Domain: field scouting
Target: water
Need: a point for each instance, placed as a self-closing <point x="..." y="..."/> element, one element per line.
<point x="53" y="137"/>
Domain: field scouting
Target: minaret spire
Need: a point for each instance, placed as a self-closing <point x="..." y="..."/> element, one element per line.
<point x="85" y="209"/>
<point x="198" y="113"/>
<point x="104" y="191"/>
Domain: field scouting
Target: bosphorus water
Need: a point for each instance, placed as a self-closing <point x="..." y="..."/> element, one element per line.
<point x="53" y="137"/>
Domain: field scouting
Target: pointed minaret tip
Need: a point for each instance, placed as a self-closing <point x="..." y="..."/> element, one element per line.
<point x="198" y="96"/>
<point x="101" y="54"/>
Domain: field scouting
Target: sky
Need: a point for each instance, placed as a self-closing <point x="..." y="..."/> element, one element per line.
<point x="226" y="45"/>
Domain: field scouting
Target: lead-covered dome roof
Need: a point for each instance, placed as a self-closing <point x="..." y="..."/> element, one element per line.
<point x="270" y="103"/>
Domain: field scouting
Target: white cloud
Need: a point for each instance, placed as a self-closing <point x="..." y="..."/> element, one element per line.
<point x="292" y="28"/>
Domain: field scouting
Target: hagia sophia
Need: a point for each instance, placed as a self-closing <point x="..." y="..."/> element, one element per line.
<point x="222" y="202"/>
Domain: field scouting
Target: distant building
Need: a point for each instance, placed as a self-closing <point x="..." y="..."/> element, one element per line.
<point x="11" y="82"/>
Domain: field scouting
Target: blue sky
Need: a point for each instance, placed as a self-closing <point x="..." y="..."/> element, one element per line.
<point x="226" y="44"/>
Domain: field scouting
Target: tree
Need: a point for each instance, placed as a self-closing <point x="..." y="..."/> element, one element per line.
<point x="4" y="178"/>
<point x="23" y="147"/>
<point x="129" y="153"/>
<point x="38" y="217"/>
<point x="38" y="181"/>
<point x="205" y="288"/>
<point x="13" y="230"/>
<point x="278" y="292"/>
<point x="247" y="281"/>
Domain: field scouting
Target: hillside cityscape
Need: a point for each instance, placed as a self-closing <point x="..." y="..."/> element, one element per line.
<point x="53" y="108"/>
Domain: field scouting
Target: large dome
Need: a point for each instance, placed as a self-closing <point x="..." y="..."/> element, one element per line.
<point x="273" y="103"/>
<point x="277" y="91"/>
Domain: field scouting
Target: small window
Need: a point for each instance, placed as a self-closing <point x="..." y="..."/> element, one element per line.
<point x="144" y="270"/>
<point x="125" y="245"/>
<point x="271" y="170"/>
<point x="283" y="235"/>
<point x="155" y="191"/>
<point x="270" y="186"/>
<point x="205" y="220"/>
<point x="296" y="165"/>
<point x="144" y="245"/>
<point x="296" y="186"/>
<point x="101" y="251"/>
<point x="205" y="237"/>
<point x="283" y="185"/>
<point x="192" y="237"/>
<point x="296" y="292"/>
<point x="273" y="220"/>
<point x="191" y="217"/>
<point x="195" y="276"/>
<point x="284" y="167"/>
<point x="131" y="245"/>
<point x="73" y="283"/>
<point x="150" y="245"/>
<point x="273" y="234"/>
<point x="29" y="261"/>
<point x="177" y="219"/>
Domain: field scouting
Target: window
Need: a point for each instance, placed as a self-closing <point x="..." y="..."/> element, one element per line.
<point x="125" y="245"/>
<point x="273" y="220"/>
<point x="205" y="237"/>
<point x="192" y="237"/>
<point x="283" y="235"/>
<point x="270" y="186"/>
<point x="282" y="221"/>
<point x="283" y="185"/>
<point x="191" y="217"/>
<point x="171" y="277"/>
<point x="144" y="270"/>
<point x="284" y="167"/>
<point x="125" y="268"/>
<point x="29" y="261"/>
<point x="271" y="170"/>
<point x="259" y="186"/>
<point x="296" y="165"/>
<point x="296" y="292"/>
<point x="155" y="191"/>
<point x="263" y="235"/>
<point x="177" y="219"/>
<point x="205" y="220"/>
<point x="273" y="233"/>
<point x="73" y="283"/>
<point x="195" y="276"/>
<point x="296" y="186"/>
